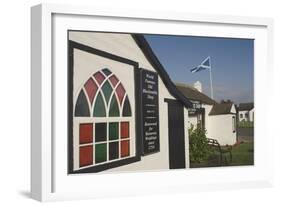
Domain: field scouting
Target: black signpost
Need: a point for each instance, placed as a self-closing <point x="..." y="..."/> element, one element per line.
<point x="150" y="112"/>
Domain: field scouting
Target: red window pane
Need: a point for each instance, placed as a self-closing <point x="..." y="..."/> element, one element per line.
<point x="114" y="80"/>
<point x="125" y="148"/>
<point x="86" y="156"/>
<point x="124" y="129"/>
<point x="99" y="77"/>
<point x="120" y="92"/>
<point x="91" y="89"/>
<point x="86" y="133"/>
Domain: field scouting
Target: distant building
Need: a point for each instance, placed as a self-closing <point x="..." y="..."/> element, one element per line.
<point x="246" y="112"/>
<point x="219" y="119"/>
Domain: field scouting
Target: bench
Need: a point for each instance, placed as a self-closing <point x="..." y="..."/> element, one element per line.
<point x="223" y="151"/>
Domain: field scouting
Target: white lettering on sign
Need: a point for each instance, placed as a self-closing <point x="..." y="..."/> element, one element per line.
<point x="150" y="111"/>
<point x="149" y="92"/>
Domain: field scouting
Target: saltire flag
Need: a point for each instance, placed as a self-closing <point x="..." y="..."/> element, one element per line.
<point x="204" y="65"/>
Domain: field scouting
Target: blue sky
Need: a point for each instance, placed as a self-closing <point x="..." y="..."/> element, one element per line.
<point x="232" y="63"/>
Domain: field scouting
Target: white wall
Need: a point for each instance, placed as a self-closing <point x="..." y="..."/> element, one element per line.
<point x="208" y="125"/>
<point x="192" y="120"/>
<point x="220" y="127"/>
<point x="252" y="115"/>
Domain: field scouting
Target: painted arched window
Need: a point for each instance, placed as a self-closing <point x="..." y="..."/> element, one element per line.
<point x="103" y="114"/>
<point x="103" y="95"/>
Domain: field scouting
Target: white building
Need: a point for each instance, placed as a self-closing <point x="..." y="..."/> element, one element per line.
<point x="246" y="112"/>
<point x="218" y="119"/>
<point x="124" y="111"/>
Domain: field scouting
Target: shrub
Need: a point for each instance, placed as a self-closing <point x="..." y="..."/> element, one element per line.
<point x="245" y="124"/>
<point x="198" y="144"/>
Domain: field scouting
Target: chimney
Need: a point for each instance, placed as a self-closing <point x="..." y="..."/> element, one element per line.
<point x="198" y="86"/>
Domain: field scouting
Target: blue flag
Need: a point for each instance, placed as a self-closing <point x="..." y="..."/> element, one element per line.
<point x="204" y="65"/>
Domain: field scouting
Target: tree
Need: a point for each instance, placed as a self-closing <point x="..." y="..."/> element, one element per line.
<point x="226" y="101"/>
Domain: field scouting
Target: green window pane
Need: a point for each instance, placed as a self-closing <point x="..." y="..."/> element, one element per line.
<point x="107" y="90"/>
<point x="126" y="108"/>
<point x="82" y="107"/>
<point x="113" y="130"/>
<point x="114" y="109"/>
<point x="99" y="109"/>
<point x="100" y="153"/>
<point x="106" y="71"/>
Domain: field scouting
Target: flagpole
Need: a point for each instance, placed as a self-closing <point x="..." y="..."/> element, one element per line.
<point x="211" y="82"/>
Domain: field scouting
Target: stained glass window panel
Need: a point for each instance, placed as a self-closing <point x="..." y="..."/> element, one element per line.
<point x="114" y="109"/>
<point x="125" y="148"/>
<point x="99" y="77"/>
<point x="91" y="89"/>
<point x="100" y="153"/>
<point x="126" y="108"/>
<point x="124" y="129"/>
<point x="86" y="133"/>
<point x="86" y="156"/>
<point x="106" y="71"/>
<point x="107" y="90"/>
<point x="120" y="93"/>
<point x="113" y="130"/>
<point x="99" y="108"/>
<point x="114" y="80"/>
<point x="113" y="150"/>
<point x="100" y="132"/>
<point x="82" y="107"/>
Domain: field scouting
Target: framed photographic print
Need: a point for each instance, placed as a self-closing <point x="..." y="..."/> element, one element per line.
<point x="128" y="99"/>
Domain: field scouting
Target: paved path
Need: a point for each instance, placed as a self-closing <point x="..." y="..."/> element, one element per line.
<point x="245" y="134"/>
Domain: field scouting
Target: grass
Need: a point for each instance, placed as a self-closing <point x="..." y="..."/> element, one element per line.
<point x="242" y="154"/>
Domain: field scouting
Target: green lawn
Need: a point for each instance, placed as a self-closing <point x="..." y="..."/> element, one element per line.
<point x="242" y="154"/>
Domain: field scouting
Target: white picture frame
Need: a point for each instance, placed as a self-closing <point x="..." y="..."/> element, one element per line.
<point x="49" y="182"/>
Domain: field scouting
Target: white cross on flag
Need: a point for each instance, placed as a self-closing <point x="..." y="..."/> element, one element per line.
<point x="204" y="65"/>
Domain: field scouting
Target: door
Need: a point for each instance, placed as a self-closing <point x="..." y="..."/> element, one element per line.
<point x="176" y="134"/>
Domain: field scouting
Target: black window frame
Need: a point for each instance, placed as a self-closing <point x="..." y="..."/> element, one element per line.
<point x="97" y="168"/>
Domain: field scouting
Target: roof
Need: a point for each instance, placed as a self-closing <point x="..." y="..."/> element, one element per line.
<point x="193" y="94"/>
<point x="153" y="60"/>
<point x="245" y="106"/>
<point x="222" y="108"/>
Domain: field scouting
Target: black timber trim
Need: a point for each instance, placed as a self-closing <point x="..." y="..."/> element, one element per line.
<point x="74" y="45"/>
<point x="153" y="60"/>
<point x="173" y="101"/>
<point x="70" y="107"/>
<point x="225" y="113"/>
<point x="106" y="166"/>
